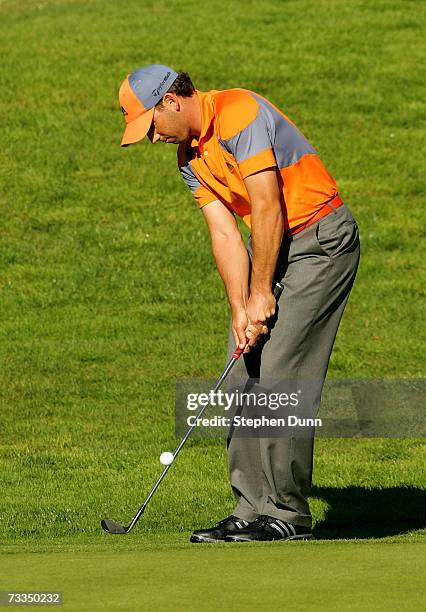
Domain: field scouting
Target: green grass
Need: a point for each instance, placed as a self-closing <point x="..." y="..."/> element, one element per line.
<point x="235" y="577"/>
<point x="109" y="292"/>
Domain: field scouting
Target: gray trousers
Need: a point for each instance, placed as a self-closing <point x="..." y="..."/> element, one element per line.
<point x="317" y="267"/>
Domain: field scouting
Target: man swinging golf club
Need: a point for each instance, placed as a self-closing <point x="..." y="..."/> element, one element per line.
<point x="240" y="155"/>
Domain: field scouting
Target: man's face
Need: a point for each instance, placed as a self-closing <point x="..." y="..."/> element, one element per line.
<point x="168" y="125"/>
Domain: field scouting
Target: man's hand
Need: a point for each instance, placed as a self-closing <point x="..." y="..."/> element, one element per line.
<point x="260" y="308"/>
<point x="239" y="326"/>
<point x="250" y="323"/>
<point x="245" y="333"/>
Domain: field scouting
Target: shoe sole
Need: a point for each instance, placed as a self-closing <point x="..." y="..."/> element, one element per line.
<point x="204" y="540"/>
<point x="302" y="536"/>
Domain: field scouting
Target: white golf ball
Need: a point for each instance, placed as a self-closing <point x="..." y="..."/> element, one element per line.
<point x="166" y="458"/>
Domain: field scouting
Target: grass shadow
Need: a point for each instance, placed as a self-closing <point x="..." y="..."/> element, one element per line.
<point x="357" y="512"/>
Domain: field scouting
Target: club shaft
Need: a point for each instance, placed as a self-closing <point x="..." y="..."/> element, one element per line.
<point x="278" y="288"/>
<point x="225" y="373"/>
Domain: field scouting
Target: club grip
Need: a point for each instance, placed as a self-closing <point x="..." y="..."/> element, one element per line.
<point x="278" y="289"/>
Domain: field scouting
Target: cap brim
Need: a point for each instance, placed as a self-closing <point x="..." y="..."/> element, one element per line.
<point x="138" y="128"/>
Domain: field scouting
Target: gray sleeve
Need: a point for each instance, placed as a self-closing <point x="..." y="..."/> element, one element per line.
<point x="189" y="177"/>
<point x="258" y="136"/>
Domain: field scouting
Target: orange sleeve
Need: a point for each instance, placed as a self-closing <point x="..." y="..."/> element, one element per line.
<point x="203" y="196"/>
<point x="261" y="161"/>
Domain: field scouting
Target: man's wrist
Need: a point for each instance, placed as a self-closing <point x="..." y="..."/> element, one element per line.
<point x="261" y="288"/>
<point x="237" y="305"/>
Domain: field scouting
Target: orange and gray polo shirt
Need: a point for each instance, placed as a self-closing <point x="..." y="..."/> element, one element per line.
<point x="243" y="133"/>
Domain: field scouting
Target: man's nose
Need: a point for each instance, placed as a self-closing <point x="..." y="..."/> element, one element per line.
<point x="152" y="134"/>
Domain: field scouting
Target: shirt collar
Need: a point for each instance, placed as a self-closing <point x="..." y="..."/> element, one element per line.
<point x="207" y="114"/>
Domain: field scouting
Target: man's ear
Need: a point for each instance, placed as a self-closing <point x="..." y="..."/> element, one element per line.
<point x="171" y="101"/>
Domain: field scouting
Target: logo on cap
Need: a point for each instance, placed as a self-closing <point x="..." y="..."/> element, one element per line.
<point x="156" y="92"/>
<point x="123" y="110"/>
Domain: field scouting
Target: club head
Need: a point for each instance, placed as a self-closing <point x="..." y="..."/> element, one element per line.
<point x="111" y="527"/>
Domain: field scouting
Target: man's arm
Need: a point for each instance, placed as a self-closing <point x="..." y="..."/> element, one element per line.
<point x="232" y="263"/>
<point x="267" y="225"/>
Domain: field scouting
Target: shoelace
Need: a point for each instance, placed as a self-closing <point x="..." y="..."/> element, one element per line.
<point x="261" y="521"/>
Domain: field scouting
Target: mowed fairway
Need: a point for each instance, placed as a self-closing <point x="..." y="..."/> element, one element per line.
<point x="109" y="295"/>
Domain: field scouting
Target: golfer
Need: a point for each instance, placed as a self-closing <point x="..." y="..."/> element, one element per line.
<point x="241" y="156"/>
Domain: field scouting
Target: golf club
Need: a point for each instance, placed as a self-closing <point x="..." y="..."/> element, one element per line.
<point x="115" y="528"/>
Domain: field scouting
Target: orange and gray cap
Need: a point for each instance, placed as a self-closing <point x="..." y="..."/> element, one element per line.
<point x="139" y="93"/>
